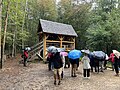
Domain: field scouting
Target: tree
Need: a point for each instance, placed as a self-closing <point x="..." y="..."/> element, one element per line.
<point x="0" y="29"/>
<point x="4" y="35"/>
<point x="47" y="9"/>
<point x="103" y="32"/>
<point x="76" y="15"/>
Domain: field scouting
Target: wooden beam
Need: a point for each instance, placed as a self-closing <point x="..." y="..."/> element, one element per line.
<point x="59" y="41"/>
<point x="67" y="42"/>
<point x="72" y="38"/>
<point x="44" y="47"/>
<point x="74" y="42"/>
<point x="47" y="37"/>
<point x="61" y="38"/>
<point x="52" y="41"/>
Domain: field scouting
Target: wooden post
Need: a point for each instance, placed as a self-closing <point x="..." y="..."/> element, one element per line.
<point x="61" y="41"/>
<point x="44" y="47"/>
<point x="61" y="38"/>
<point x="74" y="43"/>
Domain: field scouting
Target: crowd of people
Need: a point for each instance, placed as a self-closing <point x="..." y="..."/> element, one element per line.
<point x="56" y="62"/>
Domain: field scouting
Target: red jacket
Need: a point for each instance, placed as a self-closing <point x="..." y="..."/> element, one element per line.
<point x="111" y="58"/>
<point x="50" y="55"/>
<point x="26" y="54"/>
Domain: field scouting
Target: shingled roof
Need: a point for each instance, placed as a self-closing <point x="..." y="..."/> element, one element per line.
<point x="56" y="28"/>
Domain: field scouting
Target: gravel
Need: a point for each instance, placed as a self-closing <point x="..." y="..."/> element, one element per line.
<point x="37" y="77"/>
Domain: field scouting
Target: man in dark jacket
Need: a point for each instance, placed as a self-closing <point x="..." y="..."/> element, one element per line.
<point x="116" y="65"/>
<point x="58" y="64"/>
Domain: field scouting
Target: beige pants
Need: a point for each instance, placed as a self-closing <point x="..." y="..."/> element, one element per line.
<point x="73" y="69"/>
<point x="57" y="73"/>
<point x="58" y="70"/>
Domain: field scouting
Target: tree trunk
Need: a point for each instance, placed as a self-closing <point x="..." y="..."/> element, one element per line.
<point x="4" y="35"/>
<point x="14" y="36"/>
<point x="0" y="28"/>
<point x="23" y="23"/>
<point x="13" y="46"/>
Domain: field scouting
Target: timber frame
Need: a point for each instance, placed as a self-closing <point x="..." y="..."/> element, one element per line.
<point x="57" y="40"/>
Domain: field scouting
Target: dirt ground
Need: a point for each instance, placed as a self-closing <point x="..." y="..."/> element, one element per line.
<point x="36" y="76"/>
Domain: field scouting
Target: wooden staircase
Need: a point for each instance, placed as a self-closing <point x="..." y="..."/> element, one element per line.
<point x="36" y="50"/>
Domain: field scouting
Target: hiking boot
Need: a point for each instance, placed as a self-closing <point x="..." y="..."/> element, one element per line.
<point x="54" y="82"/>
<point x="59" y="83"/>
<point x="75" y="76"/>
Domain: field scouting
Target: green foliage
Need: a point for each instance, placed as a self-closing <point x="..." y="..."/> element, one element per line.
<point x="97" y="29"/>
<point x="77" y="16"/>
<point x="104" y="30"/>
<point x="9" y="37"/>
<point x="23" y="35"/>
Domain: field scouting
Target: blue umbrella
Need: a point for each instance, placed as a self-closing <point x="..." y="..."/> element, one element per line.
<point x="99" y="54"/>
<point x="74" y="54"/>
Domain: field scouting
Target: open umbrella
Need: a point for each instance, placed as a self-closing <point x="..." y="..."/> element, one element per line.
<point x="64" y="53"/>
<point x="28" y="48"/>
<point x="61" y="49"/>
<point x="52" y="49"/>
<point x="117" y="54"/>
<point x="85" y="51"/>
<point x="99" y="54"/>
<point x="74" y="54"/>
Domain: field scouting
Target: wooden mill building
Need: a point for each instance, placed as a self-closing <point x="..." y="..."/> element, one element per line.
<point x="56" y="34"/>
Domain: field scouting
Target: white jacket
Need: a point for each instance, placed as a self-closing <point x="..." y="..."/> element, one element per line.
<point x="86" y="62"/>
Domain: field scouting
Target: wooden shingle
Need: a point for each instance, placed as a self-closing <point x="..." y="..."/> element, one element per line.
<point x="56" y="28"/>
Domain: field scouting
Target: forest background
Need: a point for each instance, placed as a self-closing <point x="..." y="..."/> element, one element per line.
<point x="97" y="22"/>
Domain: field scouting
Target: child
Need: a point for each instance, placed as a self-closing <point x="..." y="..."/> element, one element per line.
<point x="86" y="66"/>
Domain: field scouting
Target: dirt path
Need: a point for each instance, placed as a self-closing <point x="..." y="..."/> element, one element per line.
<point x="37" y="77"/>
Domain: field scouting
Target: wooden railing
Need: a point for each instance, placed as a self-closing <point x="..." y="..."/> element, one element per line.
<point x="36" y="49"/>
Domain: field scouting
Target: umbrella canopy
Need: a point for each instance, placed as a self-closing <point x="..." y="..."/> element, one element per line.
<point x="74" y="54"/>
<point x="85" y="51"/>
<point x="99" y="54"/>
<point x="117" y="54"/>
<point x="52" y="49"/>
<point x="28" y="48"/>
<point x="64" y="53"/>
<point x="61" y="49"/>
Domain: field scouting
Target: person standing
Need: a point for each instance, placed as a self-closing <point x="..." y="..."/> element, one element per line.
<point x="25" y="57"/>
<point x="49" y="59"/>
<point x="111" y="58"/>
<point x="63" y="60"/>
<point x="58" y="64"/>
<point x="73" y="67"/>
<point x="105" y="61"/>
<point x="86" y="66"/>
<point x="77" y="64"/>
<point x="91" y="61"/>
<point x="116" y="65"/>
